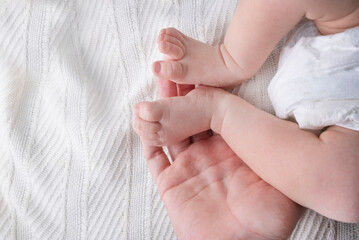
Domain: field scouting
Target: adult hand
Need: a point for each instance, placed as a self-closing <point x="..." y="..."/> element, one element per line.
<point x="210" y="193"/>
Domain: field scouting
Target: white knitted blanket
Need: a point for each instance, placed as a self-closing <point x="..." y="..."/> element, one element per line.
<point x="71" y="166"/>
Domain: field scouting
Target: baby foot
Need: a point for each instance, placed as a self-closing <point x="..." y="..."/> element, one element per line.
<point x="170" y="120"/>
<point x="189" y="61"/>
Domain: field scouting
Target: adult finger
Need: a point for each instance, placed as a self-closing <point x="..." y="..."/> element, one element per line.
<point x="156" y="159"/>
<point x="174" y="150"/>
<point x="183" y="89"/>
<point x="167" y="88"/>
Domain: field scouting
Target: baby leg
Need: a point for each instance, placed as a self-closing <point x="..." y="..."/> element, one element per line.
<point x="170" y="120"/>
<point x="193" y="62"/>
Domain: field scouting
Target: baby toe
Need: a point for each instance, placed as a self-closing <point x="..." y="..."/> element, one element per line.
<point x="174" y="33"/>
<point x="168" y="38"/>
<point x="172" y="70"/>
<point x="173" y="51"/>
<point x="146" y="128"/>
<point x="149" y="111"/>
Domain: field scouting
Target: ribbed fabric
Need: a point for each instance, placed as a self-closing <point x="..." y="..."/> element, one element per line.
<point x="71" y="166"/>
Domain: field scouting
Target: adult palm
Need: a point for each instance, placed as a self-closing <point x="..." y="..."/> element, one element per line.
<point x="210" y="193"/>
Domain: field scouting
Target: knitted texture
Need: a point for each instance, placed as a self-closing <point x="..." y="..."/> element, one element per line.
<point x="71" y="167"/>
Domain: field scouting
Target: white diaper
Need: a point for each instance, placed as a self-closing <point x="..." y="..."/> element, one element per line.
<point x="317" y="82"/>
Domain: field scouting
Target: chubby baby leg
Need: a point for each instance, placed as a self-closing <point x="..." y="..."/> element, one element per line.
<point x="192" y="62"/>
<point x="170" y="120"/>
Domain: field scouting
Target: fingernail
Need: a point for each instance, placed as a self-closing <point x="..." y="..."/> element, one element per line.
<point x="157" y="67"/>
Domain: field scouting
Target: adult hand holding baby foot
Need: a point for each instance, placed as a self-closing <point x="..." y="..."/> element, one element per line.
<point x="210" y="193"/>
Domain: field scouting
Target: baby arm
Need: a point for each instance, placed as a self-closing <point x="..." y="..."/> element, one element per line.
<point x="320" y="173"/>
<point x="256" y="28"/>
